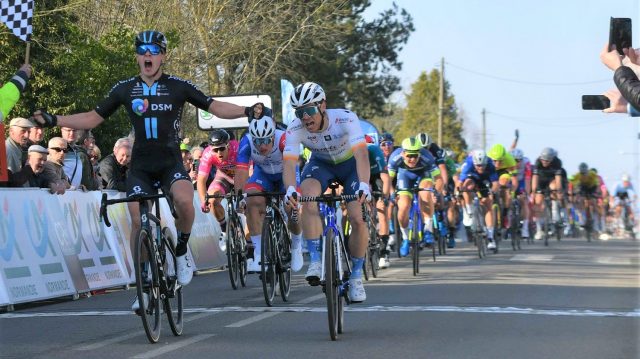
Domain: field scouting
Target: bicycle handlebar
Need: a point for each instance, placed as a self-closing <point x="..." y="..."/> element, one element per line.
<point x="104" y="203"/>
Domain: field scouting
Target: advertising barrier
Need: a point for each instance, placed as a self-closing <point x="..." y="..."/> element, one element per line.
<point x="56" y="245"/>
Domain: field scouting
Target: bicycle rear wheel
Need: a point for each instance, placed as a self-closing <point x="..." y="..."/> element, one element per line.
<point x="331" y="284"/>
<point x="267" y="260"/>
<point x="232" y="258"/>
<point x="149" y="309"/>
<point x="241" y="251"/>
<point x="173" y="305"/>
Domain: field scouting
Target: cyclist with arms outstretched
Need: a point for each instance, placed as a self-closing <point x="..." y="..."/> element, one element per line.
<point x="338" y="152"/>
<point x="154" y="102"/>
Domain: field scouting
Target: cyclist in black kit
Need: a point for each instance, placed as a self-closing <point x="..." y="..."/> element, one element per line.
<point x="154" y="102"/>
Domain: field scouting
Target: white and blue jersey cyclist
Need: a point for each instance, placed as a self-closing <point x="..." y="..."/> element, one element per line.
<point x="338" y="153"/>
<point x="262" y="147"/>
<point x="414" y="167"/>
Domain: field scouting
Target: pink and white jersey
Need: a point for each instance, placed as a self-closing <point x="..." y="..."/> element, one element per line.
<point x="210" y="159"/>
<point x="333" y="145"/>
<point x="271" y="163"/>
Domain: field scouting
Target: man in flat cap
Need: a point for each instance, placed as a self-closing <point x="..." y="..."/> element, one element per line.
<point x="16" y="143"/>
<point x="32" y="174"/>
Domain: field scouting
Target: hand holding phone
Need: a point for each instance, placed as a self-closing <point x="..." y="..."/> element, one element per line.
<point x="595" y="102"/>
<point x="619" y="34"/>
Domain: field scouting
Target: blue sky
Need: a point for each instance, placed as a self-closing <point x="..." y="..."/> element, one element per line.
<point x="549" y="52"/>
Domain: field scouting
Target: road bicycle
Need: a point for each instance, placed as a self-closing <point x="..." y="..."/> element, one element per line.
<point x="236" y="246"/>
<point x="155" y="265"/>
<point x="275" y="256"/>
<point x="336" y="267"/>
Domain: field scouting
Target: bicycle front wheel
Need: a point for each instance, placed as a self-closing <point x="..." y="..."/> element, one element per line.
<point x="331" y="284"/>
<point x="415" y="247"/>
<point x="283" y="264"/>
<point x="147" y="284"/>
<point x="267" y="260"/>
<point x="232" y="258"/>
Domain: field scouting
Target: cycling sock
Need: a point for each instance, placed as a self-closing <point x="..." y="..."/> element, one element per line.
<point x="490" y="233"/>
<point x="385" y="241"/>
<point x="296" y="240"/>
<point x="181" y="246"/>
<point x="356" y="264"/>
<point x="313" y="246"/>
<point x="428" y="225"/>
<point x="405" y="233"/>
<point x="256" y="245"/>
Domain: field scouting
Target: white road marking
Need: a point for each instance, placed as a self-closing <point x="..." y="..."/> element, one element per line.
<point x="172" y="347"/>
<point x="121" y="338"/>
<point x="252" y="320"/>
<point x="614" y="261"/>
<point x="393" y="308"/>
<point x="532" y="257"/>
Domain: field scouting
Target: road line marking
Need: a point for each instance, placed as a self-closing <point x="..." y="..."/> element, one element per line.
<point x="106" y="342"/>
<point x="614" y="261"/>
<point x="132" y="334"/>
<point x="172" y="347"/>
<point x="532" y="257"/>
<point x="311" y="299"/>
<point x="393" y="308"/>
<point x="252" y="320"/>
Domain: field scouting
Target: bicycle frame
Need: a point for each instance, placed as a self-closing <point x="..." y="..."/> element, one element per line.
<point x="329" y="213"/>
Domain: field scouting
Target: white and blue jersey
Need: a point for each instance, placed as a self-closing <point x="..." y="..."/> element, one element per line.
<point x="267" y="169"/>
<point x="468" y="170"/>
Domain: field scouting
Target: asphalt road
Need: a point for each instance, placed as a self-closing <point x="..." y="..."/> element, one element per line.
<point x="572" y="299"/>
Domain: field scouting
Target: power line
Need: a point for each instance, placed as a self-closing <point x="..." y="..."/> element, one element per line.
<point x="536" y="83"/>
<point x="544" y="121"/>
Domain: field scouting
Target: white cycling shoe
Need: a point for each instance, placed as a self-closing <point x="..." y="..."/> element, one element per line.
<point x="185" y="269"/>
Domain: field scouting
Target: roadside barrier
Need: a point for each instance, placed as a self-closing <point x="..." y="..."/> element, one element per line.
<point x="55" y="245"/>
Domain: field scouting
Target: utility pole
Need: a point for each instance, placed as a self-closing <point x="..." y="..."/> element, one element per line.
<point x="441" y="103"/>
<point x="484" y="130"/>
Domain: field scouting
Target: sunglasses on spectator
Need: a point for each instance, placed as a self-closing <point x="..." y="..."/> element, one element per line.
<point x="218" y="149"/>
<point x="262" y="141"/>
<point x="58" y="149"/>
<point x="308" y="110"/>
<point x="386" y="144"/>
<point x="152" y="48"/>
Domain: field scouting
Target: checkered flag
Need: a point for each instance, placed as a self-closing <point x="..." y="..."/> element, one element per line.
<point x="17" y="15"/>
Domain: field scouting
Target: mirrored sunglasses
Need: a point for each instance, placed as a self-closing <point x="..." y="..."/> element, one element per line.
<point x="386" y="144"/>
<point x="262" y="141"/>
<point x="152" y="48"/>
<point x="58" y="149"/>
<point x="308" y="110"/>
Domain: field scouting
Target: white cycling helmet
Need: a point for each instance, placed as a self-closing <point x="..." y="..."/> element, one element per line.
<point x="517" y="154"/>
<point x="306" y="94"/>
<point x="625" y="178"/>
<point x="479" y="158"/>
<point x="424" y="139"/>
<point x="262" y="127"/>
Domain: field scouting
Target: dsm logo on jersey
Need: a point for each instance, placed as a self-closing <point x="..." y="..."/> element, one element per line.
<point x="139" y="106"/>
<point x="342" y="119"/>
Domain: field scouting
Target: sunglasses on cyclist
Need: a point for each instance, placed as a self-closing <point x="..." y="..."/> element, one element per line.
<point x="152" y="48"/>
<point x="413" y="155"/>
<point x="262" y="141"/>
<point x="58" y="149"/>
<point x="386" y="144"/>
<point x="218" y="149"/>
<point x="308" y="110"/>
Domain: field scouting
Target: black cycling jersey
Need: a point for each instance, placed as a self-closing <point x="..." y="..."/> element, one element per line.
<point x="547" y="174"/>
<point x="437" y="153"/>
<point x="155" y="113"/>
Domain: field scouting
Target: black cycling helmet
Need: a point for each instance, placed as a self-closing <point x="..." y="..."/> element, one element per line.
<point x="386" y="137"/>
<point x="152" y="37"/>
<point x="219" y="137"/>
